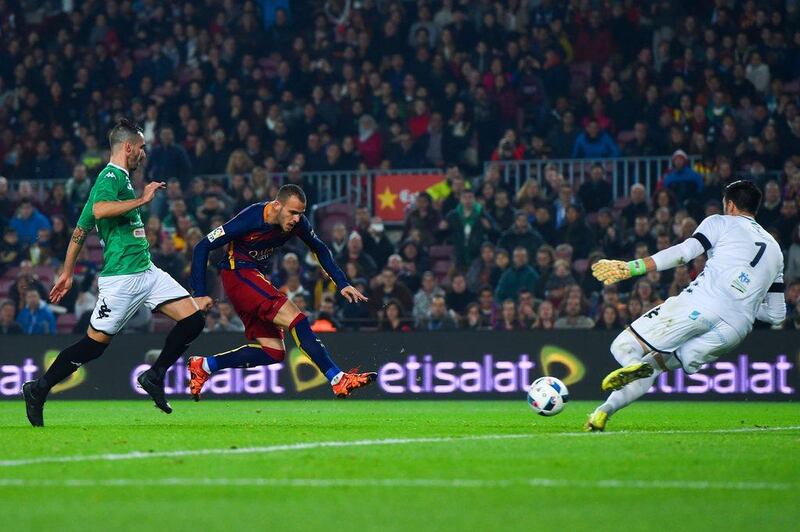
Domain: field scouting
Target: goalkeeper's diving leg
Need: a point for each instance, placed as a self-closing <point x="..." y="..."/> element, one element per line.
<point x="637" y="374"/>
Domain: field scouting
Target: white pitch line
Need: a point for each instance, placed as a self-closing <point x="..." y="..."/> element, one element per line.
<point x="400" y="483"/>
<point x="141" y="455"/>
<point x="668" y="432"/>
<point x="138" y="455"/>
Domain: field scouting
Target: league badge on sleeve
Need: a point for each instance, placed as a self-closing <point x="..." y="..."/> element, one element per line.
<point x="216" y="233"/>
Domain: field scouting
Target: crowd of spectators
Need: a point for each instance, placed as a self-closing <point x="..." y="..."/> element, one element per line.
<point x="255" y="89"/>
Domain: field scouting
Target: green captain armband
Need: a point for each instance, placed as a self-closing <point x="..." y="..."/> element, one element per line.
<point x="637" y="267"/>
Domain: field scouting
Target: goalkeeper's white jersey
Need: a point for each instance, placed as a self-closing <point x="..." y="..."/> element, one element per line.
<point x="744" y="263"/>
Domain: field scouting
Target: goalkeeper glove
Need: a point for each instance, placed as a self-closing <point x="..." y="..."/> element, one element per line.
<point x="613" y="271"/>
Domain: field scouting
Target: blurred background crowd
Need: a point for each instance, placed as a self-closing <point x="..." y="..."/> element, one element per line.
<point x="238" y="97"/>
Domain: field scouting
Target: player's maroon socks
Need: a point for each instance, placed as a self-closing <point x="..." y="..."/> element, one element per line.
<point x="178" y="340"/>
<point x="314" y="348"/>
<point x="245" y="356"/>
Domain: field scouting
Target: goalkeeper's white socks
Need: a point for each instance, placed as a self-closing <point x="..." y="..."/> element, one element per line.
<point x="636" y="389"/>
<point x="622" y="398"/>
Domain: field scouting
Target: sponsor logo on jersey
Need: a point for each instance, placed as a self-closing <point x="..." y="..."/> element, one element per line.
<point x="110" y="174"/>
<point x="139" y="232"/>
<point x="216" y="233"/>
<point x="694" y="315"/>
<point x="261" y="254"/>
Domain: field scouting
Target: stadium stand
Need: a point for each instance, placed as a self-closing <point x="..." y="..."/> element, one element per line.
<point x="606" y="132"/>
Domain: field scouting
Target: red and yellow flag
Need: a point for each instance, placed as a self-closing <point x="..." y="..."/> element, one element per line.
<point x="394" y="193"/>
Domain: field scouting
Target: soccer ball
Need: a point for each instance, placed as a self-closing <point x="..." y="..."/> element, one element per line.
<point x="547" y="396"/>
<point x="545" y="400"/>
<point x="559" y="386"/>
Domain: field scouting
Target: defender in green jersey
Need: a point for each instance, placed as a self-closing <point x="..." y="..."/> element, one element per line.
<point x="126" y="249"/>
<point x="128" y="279"/>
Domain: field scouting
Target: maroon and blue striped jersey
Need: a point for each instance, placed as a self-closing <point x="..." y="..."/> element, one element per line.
<point x="250" y="241"/>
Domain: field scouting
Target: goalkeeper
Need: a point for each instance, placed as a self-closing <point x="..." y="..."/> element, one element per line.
<point x="742" y="282"/>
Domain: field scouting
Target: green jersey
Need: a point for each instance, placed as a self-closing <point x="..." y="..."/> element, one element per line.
<point x="126" y="249"/>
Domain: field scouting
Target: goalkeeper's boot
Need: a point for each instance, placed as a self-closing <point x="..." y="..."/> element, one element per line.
<point x="199" y="376"/>
<point x="34" y="404"/>
<point x="618" y="379"/>
<point x="155" y="389"/>
<point x="596" y="422"/>
<point x="352" y="381"/>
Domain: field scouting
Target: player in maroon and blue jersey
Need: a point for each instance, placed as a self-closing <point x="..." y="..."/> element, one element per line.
<point x="250" y="239"/>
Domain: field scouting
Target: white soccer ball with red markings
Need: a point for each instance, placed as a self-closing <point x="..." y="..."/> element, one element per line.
<point x="547" y="396"/>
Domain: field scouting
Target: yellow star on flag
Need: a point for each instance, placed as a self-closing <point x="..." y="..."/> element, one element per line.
<point x="387" y="198"/>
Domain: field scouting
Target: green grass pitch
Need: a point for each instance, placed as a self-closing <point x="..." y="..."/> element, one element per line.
<point x="293" y="465"/>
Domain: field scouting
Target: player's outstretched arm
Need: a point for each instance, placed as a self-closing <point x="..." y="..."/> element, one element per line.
<point x="324" y="256"/>
<point x="613" y="271"/>
<point x="110" y="209"/>
<point x="64" y="281"/>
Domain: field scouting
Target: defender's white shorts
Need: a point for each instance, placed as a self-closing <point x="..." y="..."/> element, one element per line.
<point x="120" y="296"/>
<point x="696" y="336"/>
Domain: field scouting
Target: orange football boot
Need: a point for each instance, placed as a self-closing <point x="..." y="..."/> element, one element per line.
<point x="352" y="380"/>
<point x="199" y="376"/>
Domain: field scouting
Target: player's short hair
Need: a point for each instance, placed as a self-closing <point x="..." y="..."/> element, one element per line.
<point x="289" y="190"/>
<point x="744" y="194"/>
<point x="124" y="131"/>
